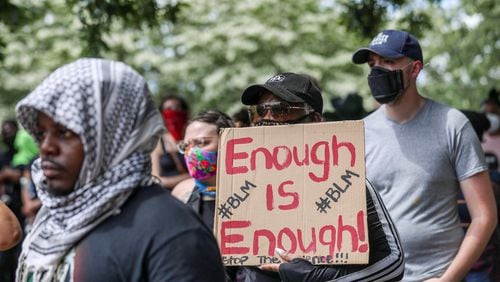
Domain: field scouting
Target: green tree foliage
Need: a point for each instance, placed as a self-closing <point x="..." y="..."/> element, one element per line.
<point x="38" y="36"/>
<point x="464" y="52"/>
<point x="97" y="18"/>
<point x="220" y="47"/>
<point x="209" y="51"/>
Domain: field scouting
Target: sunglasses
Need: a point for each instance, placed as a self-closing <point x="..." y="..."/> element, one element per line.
<point x="195" y="142"/>
<point x="279" y="110"/>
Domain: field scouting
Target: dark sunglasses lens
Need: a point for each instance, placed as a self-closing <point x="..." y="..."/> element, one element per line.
<point x="261" y="110"/>
<point x="280" y="110"/>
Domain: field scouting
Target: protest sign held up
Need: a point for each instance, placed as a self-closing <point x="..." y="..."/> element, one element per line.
<point x="299" y="187"/>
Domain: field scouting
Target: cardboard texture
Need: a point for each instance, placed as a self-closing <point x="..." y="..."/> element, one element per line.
<point x="299" y="187"/>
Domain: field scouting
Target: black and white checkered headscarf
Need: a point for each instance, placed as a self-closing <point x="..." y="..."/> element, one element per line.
<point x="108" y="105"/>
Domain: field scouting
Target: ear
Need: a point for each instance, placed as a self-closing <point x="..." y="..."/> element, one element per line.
<point x="417" y="67"/>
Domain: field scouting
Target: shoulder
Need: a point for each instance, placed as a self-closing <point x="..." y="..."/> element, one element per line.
<point x="183" y="190"/>
<point x="458" y="125"/>
<point x="447" y="113"/>
<point x="375" y="121"/>
<point x="153" y="204"/>
<point x="154" y="195"/>
<point x="22" y="135"/>
<point x="375" y="114"/>
<point x="158" y="149"/>
<point x="151" y="228"/>
<point x="151" y="212"/>
<point x="170" y="144"/>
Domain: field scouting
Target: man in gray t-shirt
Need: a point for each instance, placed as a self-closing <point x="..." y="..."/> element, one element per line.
<point x="419" y="154"/>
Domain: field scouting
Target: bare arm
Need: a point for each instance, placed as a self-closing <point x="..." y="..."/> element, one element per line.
<point x="10" y="229"/>
<point x="155" y="160"/>
<point x="183" y="190"/>
<point x="478" y="194"/>
<point x="168" y="182"/>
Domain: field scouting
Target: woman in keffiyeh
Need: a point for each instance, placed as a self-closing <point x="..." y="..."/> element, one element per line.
<point x="111" y="222"/>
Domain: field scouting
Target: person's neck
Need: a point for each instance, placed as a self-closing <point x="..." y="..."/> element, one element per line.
<point x="494" y="134"/>
<point x="406" y="107"/>
<point x="211" y="181"/>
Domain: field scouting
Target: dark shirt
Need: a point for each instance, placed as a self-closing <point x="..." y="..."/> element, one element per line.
<point x="386" y="259"/>
<point x="168" y="166"/>
<point x="153" y="238"/>
<point x="204" y="206"/>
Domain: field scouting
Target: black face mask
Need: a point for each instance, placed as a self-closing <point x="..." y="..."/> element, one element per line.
<point x="9" y="141"/>
<point x="386" y="85"/>
<point x="268" y="122"/>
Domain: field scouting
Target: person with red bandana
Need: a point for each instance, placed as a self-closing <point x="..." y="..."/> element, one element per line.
<point x="167" y="163"/>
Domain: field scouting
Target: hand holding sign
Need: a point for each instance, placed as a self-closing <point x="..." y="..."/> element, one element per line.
<point x="284" y="255"/>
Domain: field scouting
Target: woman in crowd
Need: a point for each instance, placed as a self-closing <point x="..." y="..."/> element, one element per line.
<point x="167" y="163"/>
<point x="200" y="153"/>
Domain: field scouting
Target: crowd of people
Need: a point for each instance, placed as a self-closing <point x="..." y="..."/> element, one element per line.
<point x="101" y="184"/>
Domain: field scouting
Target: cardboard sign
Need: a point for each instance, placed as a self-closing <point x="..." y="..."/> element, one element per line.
<point x="299" y="187"/>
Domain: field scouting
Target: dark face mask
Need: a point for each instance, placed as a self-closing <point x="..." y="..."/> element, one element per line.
<point x="9" y="141"/>
<point x="8" y="134"/>
<point x="386" y="85"/>
<point x="268" y="122"/>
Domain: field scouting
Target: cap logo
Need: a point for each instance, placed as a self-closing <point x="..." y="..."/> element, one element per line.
<point x="277" y="78"/>
<point x="380" y="39"/>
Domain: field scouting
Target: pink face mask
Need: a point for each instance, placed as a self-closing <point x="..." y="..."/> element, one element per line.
<point x="201" y="164"/>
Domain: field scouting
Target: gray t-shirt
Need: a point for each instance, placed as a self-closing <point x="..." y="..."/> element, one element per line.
<point x="416" y="167"/>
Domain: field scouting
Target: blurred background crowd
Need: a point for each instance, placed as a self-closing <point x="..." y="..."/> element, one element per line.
<point x="199" y="55"/>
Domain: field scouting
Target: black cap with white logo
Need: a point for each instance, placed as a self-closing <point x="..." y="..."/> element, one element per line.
<point x="291" y="87"/>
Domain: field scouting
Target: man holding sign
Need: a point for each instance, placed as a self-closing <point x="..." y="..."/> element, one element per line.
<point x="290" y="98"/>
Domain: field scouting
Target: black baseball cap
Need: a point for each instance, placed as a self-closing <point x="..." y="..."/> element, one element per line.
<point x="390" y="44"/>
<point x="289" y="86"/>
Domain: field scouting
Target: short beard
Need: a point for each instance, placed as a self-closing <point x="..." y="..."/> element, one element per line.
<point x="268" y="122"/>
<point x="58" y="192"/>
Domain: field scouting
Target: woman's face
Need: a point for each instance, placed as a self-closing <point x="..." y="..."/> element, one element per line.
<point x="171" y="104"/>
<point x="200" y="146"/>
<point x="202" y="135"/>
